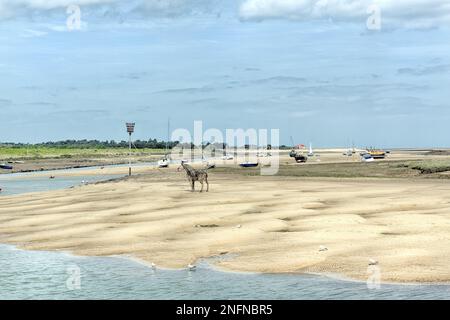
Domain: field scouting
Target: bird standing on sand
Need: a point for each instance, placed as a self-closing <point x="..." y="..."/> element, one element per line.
<point x="323" y="248"/>
<point x="373" y="262"/>
<point x="191" y="267"/>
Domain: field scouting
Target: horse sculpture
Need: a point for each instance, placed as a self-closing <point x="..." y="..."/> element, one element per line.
<point x="200" y="175"/>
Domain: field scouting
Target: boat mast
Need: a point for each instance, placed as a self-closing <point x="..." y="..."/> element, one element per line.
<point x="168" y="135"/>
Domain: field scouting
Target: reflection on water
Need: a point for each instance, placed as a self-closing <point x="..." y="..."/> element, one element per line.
<point x="49" y="275"/>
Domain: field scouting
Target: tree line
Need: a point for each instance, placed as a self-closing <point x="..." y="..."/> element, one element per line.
<point x="95" y="144"/>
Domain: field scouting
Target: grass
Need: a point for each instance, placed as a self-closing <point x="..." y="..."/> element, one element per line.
<point x="429" y="166"/>
<point x="18" y="153"/>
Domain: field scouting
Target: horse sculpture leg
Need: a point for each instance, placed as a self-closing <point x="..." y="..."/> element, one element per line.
<point x="207" y="183"/>
<point x="201" y="181"/>
<point x="192" y="185"/>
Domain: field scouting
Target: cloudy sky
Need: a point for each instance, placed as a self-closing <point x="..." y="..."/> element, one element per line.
<point x="311" y="68"/>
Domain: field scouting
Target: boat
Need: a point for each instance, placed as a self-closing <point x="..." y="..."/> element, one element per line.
<point x="367" y="158"/>
<point x="311" y="152"/>
<point x="377" y="154"/>
<point x="163" y="163"/>
<point x="249" y="164"/>
<point x="293" y="152"/>
<point x="227" y="157"/>
<point x="6" y="167"/>
<point x="301" y="158"/>
<point x="348" y="153"/>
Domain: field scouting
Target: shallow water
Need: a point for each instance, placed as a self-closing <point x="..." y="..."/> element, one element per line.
<point x="45" y="275"/>
<point x="13" y="184"/>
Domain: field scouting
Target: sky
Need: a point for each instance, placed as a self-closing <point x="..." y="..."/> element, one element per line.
<point x="313" y="69"/>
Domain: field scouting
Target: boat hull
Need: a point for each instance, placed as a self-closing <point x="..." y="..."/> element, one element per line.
<point x="300" y="158"/>
<point x="248" y="165"/>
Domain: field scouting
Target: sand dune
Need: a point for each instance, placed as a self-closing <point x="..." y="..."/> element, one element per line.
<point x="271" y="224"/>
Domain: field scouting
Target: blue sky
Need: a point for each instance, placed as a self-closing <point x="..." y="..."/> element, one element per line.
<point x="308" y="67"/>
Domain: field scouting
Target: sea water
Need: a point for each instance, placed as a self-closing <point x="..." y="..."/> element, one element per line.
<point x="20" y="185"/>
<point x="58" y="275"/>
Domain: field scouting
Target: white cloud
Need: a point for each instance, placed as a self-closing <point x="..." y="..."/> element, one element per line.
<point x="13" y="8"/>
<point x="405" y="13"/>
<point x="17" y="8"/>
<point x="31" y="33"/>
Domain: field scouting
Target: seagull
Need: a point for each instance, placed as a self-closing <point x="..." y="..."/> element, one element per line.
<point x="373" y="262"/>
<point x="153" y="266"/>
<point x="238" y="226"/>
<point x="191" y="267"/>
<point x="323" y="248"/>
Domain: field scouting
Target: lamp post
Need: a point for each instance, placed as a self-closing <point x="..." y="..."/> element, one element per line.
<point x="130" y="130"/>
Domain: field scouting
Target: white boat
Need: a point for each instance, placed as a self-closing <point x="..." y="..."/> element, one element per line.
<point x="163" y="163"/>
<point x="367" y="158"/>
<point x="227" y="157"/>
<point x="311" y="152"/>
<point x="348" y="153"/>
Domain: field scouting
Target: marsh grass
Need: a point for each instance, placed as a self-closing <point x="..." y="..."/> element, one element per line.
<point x="381" y="169"/>
<point x="429" y="166"/>
<point x="18" y="153"/>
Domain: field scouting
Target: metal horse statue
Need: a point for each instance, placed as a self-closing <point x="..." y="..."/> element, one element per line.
<point x="200" y="175"/>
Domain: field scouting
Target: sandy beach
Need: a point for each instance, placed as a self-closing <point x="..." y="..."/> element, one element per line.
<point x="268" y="223"/>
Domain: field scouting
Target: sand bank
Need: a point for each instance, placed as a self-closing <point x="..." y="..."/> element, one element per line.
<point x="272" y="224"/>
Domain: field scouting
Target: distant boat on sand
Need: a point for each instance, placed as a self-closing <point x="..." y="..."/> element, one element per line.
<point x="311" y="152"/>
<point x="367" y="158"/>
<point x="249" y="164"/>
<point x="163" y="163"/>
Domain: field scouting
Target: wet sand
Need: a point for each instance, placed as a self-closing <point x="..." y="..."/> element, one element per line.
<point x="271" y="224"/>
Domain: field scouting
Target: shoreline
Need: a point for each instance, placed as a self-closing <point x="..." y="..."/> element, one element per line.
<point x="214" y="267"/>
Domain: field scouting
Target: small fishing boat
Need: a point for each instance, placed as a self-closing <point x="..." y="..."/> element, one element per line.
<point x="311" y="152"/>
<point x="6" y="167"/>
<point x="163" y="163"/>
<point x="301" y="158"/>
<point x="249" y="164"/>
<point x="377" y="154"/>
<point x="367" y="158"/>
